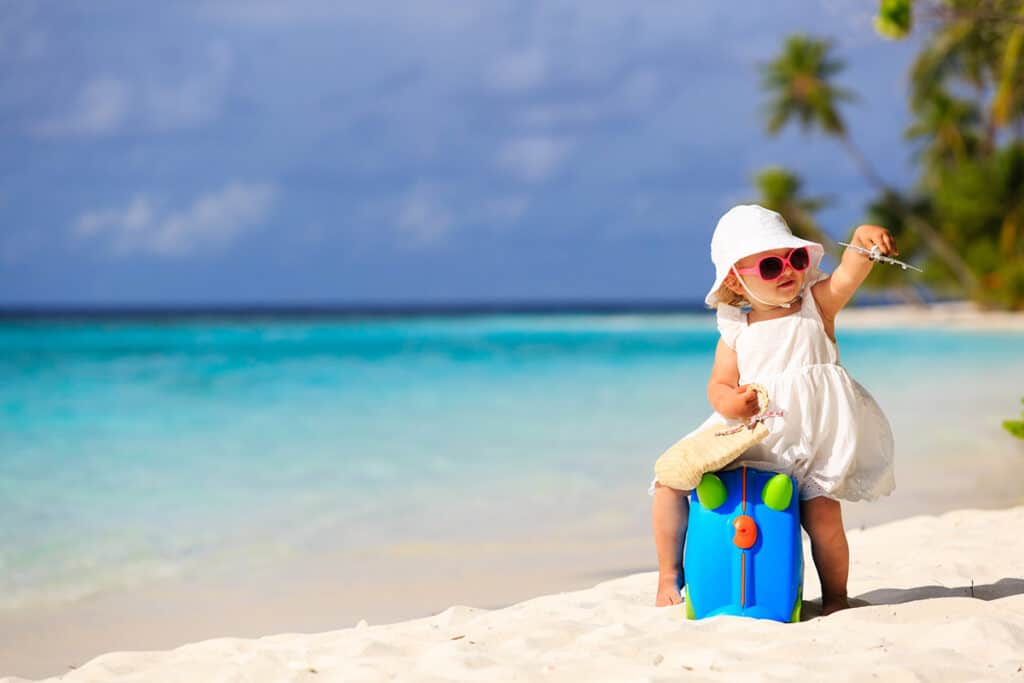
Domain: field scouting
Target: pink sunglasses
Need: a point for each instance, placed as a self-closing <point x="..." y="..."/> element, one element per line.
<point x="771" y="267"/>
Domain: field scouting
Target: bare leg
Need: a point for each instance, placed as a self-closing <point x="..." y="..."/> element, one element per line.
<point x="823" y="519"/>
<point x="669" y="514"/>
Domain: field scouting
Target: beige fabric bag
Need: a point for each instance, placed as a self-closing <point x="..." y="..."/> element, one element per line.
<point x="709" y="450"/>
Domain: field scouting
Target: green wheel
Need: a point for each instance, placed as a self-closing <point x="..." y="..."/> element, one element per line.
<point x="711" y="491"/>
<point x="795" y="617"/>
<point x="777" y="492"/>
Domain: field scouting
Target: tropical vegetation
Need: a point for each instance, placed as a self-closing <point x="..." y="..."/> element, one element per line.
<point x="1015" y="427"/>
<point x="962" y="220"/>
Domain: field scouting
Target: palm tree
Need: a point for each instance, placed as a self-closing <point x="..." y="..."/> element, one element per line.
<point x="984" y="199"/>
<point x="798" y="80"/>
<point x="976" y="184"/>
<point x="1008" y="101"/>
<point x="780" y="191"/>
<point x="887" y="210"/>
<point x="946" y="125"/>
<point x="894" y="18"/>
<point x="799" y="83"/>
<point x="981" y="43"/>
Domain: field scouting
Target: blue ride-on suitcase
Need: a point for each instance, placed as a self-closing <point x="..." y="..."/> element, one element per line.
<point x="743" y="553"/>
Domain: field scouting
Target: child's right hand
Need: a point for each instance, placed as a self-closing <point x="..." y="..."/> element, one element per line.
<point x="742" y="403"/>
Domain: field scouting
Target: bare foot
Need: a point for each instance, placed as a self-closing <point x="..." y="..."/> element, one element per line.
<point x="668" y="592"/>
<point x="834" y="603"/>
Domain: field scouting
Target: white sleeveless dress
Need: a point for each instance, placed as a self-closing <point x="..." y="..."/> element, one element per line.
<point x="833" y="436"/>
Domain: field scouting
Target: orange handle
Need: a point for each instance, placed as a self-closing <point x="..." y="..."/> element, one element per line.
<point x="746" y="531"/>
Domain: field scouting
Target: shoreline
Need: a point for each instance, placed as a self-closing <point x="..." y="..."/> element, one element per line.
<point x="957" y="314"/>
<point x="943" y="599"/>
<point x="419" y="575"/>
<point x="374" y="586"/>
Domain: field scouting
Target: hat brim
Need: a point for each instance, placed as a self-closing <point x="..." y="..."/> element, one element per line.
<point x="814" y="274"/>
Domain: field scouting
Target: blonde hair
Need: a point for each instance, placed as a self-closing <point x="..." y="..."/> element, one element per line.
<point x="724" y="295"/>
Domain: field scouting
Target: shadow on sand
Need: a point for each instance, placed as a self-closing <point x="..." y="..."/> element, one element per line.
<point x="897" y="596"/>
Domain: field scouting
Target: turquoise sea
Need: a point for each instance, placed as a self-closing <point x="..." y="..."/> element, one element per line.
<point x="138" y="450"/>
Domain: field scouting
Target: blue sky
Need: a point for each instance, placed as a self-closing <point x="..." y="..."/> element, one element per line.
<point x="333" y="152"/>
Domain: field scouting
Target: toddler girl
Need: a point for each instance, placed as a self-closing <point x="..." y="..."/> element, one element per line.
<point x="832" y="437"/>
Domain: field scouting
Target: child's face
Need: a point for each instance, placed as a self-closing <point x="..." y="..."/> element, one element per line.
<point x="776" y="291"/>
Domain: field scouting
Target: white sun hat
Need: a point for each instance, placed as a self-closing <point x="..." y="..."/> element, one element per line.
<point x="748" y="229"/>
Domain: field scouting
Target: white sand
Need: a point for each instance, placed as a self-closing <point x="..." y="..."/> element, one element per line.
<point x="954" y="314"/>
<point x="944" y="601"/>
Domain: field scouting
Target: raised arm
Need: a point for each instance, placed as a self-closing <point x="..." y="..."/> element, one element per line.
<point x="836" y="291"/>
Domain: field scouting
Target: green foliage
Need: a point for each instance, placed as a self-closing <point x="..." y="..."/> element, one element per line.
<point x="1015" y="427"/>
<point x="945" y="129"/>
<point x="885" y="210"/>
<point x="965" y="46"/>
<point x="963" y="220"/>
<point x="894" y="18"/>
<point x="799" y="82"/>
<point x="782" y="190"/>
<point x="980" y="203"/>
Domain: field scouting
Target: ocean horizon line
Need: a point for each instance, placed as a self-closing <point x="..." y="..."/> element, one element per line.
<point x="452" y="308"/>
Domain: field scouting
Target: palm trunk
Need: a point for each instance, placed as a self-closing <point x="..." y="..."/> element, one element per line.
<point x="795" y="215"/>
<point x="865" y="167"/>
<point x="911" y="297"/>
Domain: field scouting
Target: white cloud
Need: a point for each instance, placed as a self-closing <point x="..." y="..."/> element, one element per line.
<point x="194" y="100"/>
<point x="107" y="104"/>
<point x="533" y="158"/>
<point x="424" y="217"/>
<point x="421" y="17"/>
<point x="211" y="222"/>
<point x="133" y="219"/>
<point x="430" y="213"/>
<point x="101" y="107"/>
<point x="578" y="113"/>
<point x="518" y="71"/>
<point x="639" y="90"/>
<point x="636" y="94"/>
<point x="503" y="210"/>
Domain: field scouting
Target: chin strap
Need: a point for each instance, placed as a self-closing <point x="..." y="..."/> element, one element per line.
<point x="755" y="298"/>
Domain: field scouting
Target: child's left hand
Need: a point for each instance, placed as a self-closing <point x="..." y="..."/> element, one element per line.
<point x="854" y="267"/>
<point x="868" y="236"/>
